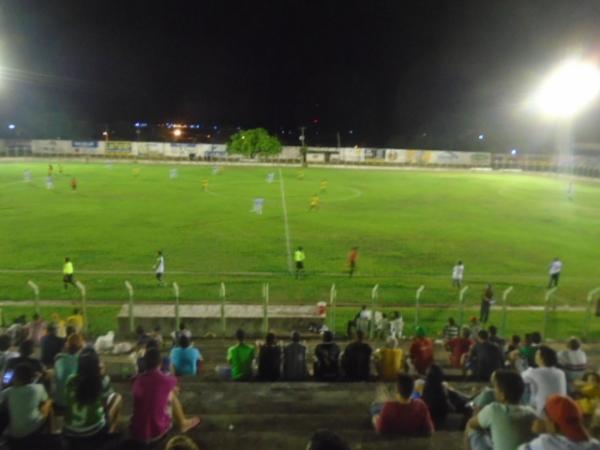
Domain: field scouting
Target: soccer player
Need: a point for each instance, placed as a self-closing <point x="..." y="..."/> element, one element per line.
<point x="315" y="202"/>
<point x="205" y="184"/>
<point x="555" y="269"/>
<point x="50" y="170"/>
<point x="74" y="183"/>
<point x="299" y="257"/>
<point x="258" y="206"/>
<point x="49" y="182"/>
<point x="27" y="176"/>
<point x="216" y="170"/>
<point x="270" y="177"/>
<point x="68" y="273"/>
<point x="323" y="185"/>
<point x="173" y="173"/>
<point x="301" y="174"/>
<point x="457" y="274"/>
<point x="60" y="168"/>
<point x="352" y="259"/>
<point x="159" y="267"/>
<point x="570" y="191"/>
<point x="136" y="172"/>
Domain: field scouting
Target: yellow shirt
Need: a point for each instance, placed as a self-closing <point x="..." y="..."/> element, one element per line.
<point x="389" y="363"/>
<point x="68" y="268"/>
<point x="76" y="321"/>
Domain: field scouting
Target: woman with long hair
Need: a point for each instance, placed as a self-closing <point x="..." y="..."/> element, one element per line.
<point x="435" y="394"/>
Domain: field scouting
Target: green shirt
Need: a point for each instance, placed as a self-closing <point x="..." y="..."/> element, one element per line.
<point x="240" y="358"/>
<point x="85" y="419"/>
<point x="24" y="407"/>
<point x="299" y="256"/>
<point x="68" y="268"/>
<point x="510" y="425"/>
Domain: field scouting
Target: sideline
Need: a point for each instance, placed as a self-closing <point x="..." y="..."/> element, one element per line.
<point x="285" y="223"/>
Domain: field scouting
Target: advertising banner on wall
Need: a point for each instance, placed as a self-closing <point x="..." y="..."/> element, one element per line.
<point x="19" y="148"/>
<point x="395" y="156"/>
<point x="353" y="154"/>
<point x="84" y="146"/>
<point x="150" y="149"/>
<point x="118" y="147"/>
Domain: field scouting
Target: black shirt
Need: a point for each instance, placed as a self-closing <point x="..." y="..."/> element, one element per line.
<point x="51" y="346"/>
<point x="269" y="363"/>
<point x="357" y="361"/>
<point x="327" y="365"/>
<point x="485" y="359"/>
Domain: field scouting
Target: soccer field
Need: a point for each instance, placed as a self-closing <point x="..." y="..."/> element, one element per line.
<point x="410" y="227"/>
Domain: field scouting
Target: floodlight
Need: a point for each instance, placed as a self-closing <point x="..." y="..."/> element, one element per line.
<point x="176" y="132"/>
<point x="12" y="126"/>
<point x="513" y="152"/>
<point x="481" y="137"/>
<point x="568" y="89"/>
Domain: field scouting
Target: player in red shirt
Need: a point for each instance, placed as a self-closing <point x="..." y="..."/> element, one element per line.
<point x="352" y="259"/>
<point x="74" y="183"/>
<point x="421" y="351"/>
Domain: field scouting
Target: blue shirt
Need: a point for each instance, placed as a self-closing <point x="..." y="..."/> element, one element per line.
<point x="185" y="360"/>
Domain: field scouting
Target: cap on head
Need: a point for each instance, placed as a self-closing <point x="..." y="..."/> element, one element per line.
<point x="565" y="413"/>
<point x="420" y="331"/>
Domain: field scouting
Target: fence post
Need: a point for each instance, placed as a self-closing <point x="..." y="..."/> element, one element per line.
<point x="265" y="307"/>
<point x="461" y="302"/>
<point x="332" y="306"/>
<point x="176" y="292"/>
<point x="547" y="298"/>
<point x="504" y="298"/>
<point x="36" y="295"/>
<point x="418" y="303"/>
<point x="131" y="318"/>
<point x="83" y="293"/>
<point x="222" y="295"/>
<point x="374" y="296"/>
<point x="588" y="312"/>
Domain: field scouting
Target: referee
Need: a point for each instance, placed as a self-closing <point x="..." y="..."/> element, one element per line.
<point x="299" y="257"/>
<point x="68" y="271"/>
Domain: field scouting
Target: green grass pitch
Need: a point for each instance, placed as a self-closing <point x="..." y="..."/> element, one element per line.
<point x="410" y="226"/>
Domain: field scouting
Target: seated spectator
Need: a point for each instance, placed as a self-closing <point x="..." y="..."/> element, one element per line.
<point x="5" y="351"/>
<point x="36" y="329"/>
<point x="51" y="345"/>
<point x="326" y="440"/>
<point x="28" y="404"/>
<point x="544" y="380"/>
<point x="185" y="358"/>
<point x="327" y="355"/>
<point x="514" y="344"/>
<point x="60" y="325"/>
<point x="17" y="331"/>
<point x="181" y="442"/>
<point x="474" y="326"/>
<point x="404" y="415"/>
<point x="141" y="337"/>
<point x="363" y="315"/>
<point x="269" y="359"/>
<point x="459" y="348"/>
<point x="484" y="358"/>
<point x="397" y="325"/>
<point x="356" y="360"/>
<point x="421" y="351"/>
<point x="65" y="365"/>
<point x="294" y="360"/>
<point x="92" y="406"/>
<point x="529" y="349"/>
<point x="435" y="396"/>
<point x="175" y="335"/>
<point x="573" y="361"/>
<point x="562" y="428"/>
<point x="141" y="362"/>
<point x="494" y="338"/>
<point x="156" y="404"/>
<point x="25" y="352"/>
<point x="389" y="361"/>
<point x="240" y="358"/>
<point x="589" y="393"/>
<point x="157" y="336"/>
<point x="503" y="424"/>
<point x="450" y="330"/>
<point x="75" y="321"/>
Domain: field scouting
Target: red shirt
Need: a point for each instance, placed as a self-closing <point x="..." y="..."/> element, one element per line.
<point x="353" y="256"/>
<point x="459" y="346"/>
<point x="405" y="418"/>
<point x="421" y="353"/>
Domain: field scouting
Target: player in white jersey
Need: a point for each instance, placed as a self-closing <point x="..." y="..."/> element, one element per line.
<point x="159" y="267"/>
<point x="270" y="177"/>
<point x="49" y="182"/>
<point x="555" y="268"/>
<point x="458" y="272"/>
<point x="173" y="173"/>
<point x="571" y="191"/>
<point x="27" y="176"/>
<point x="257" y="205"/>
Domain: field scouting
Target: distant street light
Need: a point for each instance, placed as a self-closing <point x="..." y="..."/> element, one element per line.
<point x="12" y="126"/>
<point x="177" y="132"/>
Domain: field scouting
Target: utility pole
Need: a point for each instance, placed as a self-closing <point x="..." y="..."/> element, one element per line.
<point x="339" y="140"/>
<point x="303" y="148"/>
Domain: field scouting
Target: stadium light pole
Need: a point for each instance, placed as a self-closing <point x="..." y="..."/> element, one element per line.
<point x="565" y="92"/>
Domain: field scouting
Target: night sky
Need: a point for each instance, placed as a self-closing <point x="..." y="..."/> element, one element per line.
<point x="427" y="73"/>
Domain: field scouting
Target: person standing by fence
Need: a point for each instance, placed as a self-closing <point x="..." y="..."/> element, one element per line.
<point x="555" y="269"/>
<point x="352" y="259"/>
<point x="458" y="272"/>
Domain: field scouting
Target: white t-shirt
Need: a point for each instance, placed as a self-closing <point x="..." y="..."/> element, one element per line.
<point x="160" y="267"/>
<point x="559" y="442"/>
<point x="555" y="267"/>
<point x="458" y="271"/>
<point x="544" y="382"/>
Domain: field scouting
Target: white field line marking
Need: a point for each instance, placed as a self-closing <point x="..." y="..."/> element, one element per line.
<point x="288" y="246"/>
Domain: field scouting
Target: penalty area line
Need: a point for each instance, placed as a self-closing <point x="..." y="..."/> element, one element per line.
<point x="285" y="223"/>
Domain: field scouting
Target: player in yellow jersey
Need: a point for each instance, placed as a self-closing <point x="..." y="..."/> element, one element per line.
<point x="301" y="174"/>
<point x="205" y="184"/>
<point x="136" y="172"/>
<point x="323" y="185"/>
<point x="315" y="202"/>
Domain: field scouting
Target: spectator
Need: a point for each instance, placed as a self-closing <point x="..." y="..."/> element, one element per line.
<point x="29" y="407"/>
<point x="327" y="355"/>
<point x="25" y="352"/>
<point x="52" y="345"/>
<point x="435" y="395"/>
<point x="356" y="360"/>
<point x="589" y="393"/>
<point x="92" y="407"/>
<point x="546" y="379"/>
<point x="141" y="337"/>
<point x="76" y="321"/>
<point x="269" y="359"/>
<point x="36" y="329"/>
<point x="326" y="440"/>
<point x="157" y="336"/>
<point x="502" y="424"/>
<point x="17" y="331"/>
<point x="185" y="358"/>
<point x="403" y="415"/>
<point x="182" y="331"/>
<point x="165" y="366"/>
<point x="294" y="360"/>
<point x="494" y="338"/>
<point x="562" y="428"/>
<point x="484" y="358"/>
<point x="487" y="300"/>
<point x="363" y="316"/>
<point x="397" y="325"/>
<point x="514" y="344"/>
<point x="573" y="361"/>
<point x="459" y="348"/>
<point x="474" y="326"/>
<point x="181" y="442"/>
<point x="240" y="358"/>
<point x="389" y="361"/>
<point x="65" y="365"/>
<point x="156" y="404"/>
<point x="5" y="351"/>
<point x="451" y="330"/>
<point x="60" y="325"/>
<point x="421" y="351"/>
